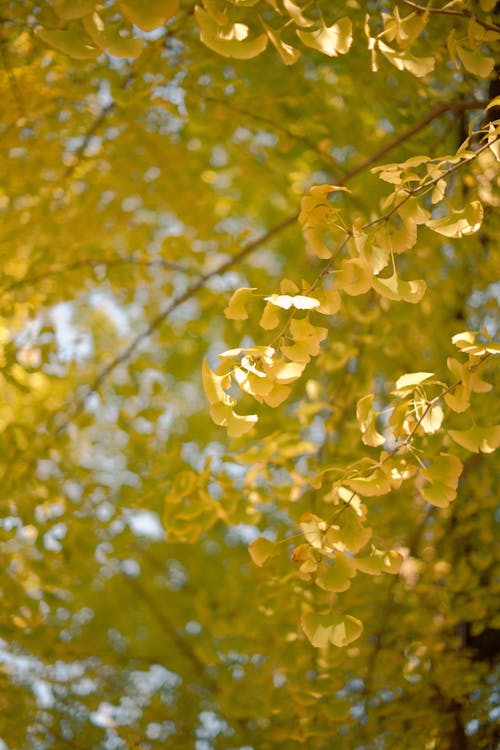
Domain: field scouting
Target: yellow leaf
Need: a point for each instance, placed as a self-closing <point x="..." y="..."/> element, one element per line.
<point x="230" y="40"/>
<point x="476" y="439"/>
<point x="379" y="561"/>
<point x="331" y="40"/>
<point x="76" y="44"/>
<point x="235" y="309"/>
<point x="278" y="394"/>
<point x="475" y="63"/>
<point x="374" y="485"/>
<point x="366" y="417"/>
<point x="339" y="630"/>
<point x="410" y="380"/>
<point x="396" y="289"/>
<point x="107" y="36"/>
<point x="72" y="9"/>
<point x="288" y="54"/>
<point x="329" y="301"/>
<point x="336" y="575"/>
<point x="261" y="550"/>
<point x="296" y="14"/>
<point x="237" y="424"/>
<point x="354" y="277"/>
<point x="148" y="15"/>
<point x="284" y="372"/>
<point x="214" y="386"/>
<point x="298" y="301"/>
<point x="270" y="318"/>
<point x="459" y="223"/>
<point x="442" y="475"/>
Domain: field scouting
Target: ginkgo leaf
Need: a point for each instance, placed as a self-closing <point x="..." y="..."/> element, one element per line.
<point x="214" y="386"/>
<point x="366" y="416"/>
<point x="331" y="40"/>
<point x="237" y="424"/>
<point x="459" y="223"/>
<point x="410" y="380"/>
<point x="379" y="561"/>
<point x="477" y="439"/>
<point x="474" y="62"/>
<point x="76" y="44"/>
<point x="261" y="550"/>
<point x="288" y="54"/>
<point x="296" y="14"/>
<point x="354" y="277"/>
<point x="277" y="395"/>
<point x="374" y="485"/>
<point x="108" y="37"/>
<point x="298" y="301"/>
<point x="323" y="629"/>
<point x="396" y="289"/>
<point x="231" y="40"/>
<point x="329" y="301"/>
<point x="235" y="309"/>
<point x="432" y="420"/>
<point x="72" y="9"/>
<point x="351" y="532"/>
<point x="442" y="475"/>
<point x="270" y="318"/>
<point x="336" y="575"/>
<point x="148" y="15"/>
<point x="285" y="372"/>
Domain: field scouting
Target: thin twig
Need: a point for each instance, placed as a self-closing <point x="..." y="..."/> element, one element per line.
<point x="78" y="405"/>
<point x="448" y="12"/>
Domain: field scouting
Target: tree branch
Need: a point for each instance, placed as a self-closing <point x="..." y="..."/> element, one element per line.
<point x="448" y="12"/>
<point x="76" y="408"/>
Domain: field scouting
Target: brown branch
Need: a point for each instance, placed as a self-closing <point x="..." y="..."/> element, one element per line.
<point x="448" y="12"/>
<point x="457" y="106"/>
<point x="325" y="156"/>
<point x="246" y="250"/>
<point x="178" y="300"/>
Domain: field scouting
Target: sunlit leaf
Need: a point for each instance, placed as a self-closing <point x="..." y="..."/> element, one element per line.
<point x="325" y="629"/>
<point x="261" y="550"/>
<point x="459" y="223"/>
<point x="477" y="439"/>
<point x="331" y="40"/>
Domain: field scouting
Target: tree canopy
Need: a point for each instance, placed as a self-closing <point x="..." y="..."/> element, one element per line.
<point x="248" y="422"/>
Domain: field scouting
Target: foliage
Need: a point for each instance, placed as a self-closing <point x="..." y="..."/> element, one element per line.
<point x="247" y="325"/>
